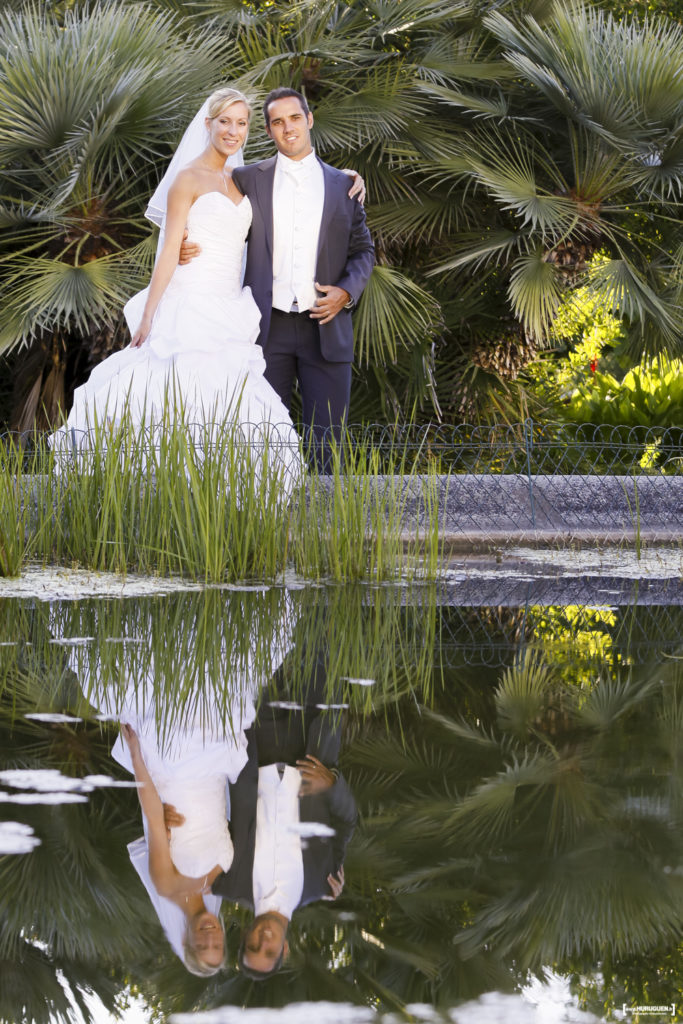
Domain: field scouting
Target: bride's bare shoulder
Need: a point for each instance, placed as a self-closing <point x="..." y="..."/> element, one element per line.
<point x="191" y="174"/>
<point x="187" y="185"/>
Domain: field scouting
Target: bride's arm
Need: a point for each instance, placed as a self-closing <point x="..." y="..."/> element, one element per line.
<point x="167" y="880"/>
<point x="160" y="863"/>
<point x="180" y="198"/>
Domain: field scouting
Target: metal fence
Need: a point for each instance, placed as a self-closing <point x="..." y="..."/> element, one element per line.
<point x="511" y="448"/>
<point x="491" y="481"/>
<point x="528" y="447"/>
<point x="581" y="479"/>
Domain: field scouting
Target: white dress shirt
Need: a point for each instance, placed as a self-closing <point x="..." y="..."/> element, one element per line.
<point x="278" y="872"/>
<point x="298" y="197"/>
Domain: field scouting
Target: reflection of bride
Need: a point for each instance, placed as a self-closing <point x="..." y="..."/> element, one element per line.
<point x="193" y="928"/>
<point x="193" y="355"/>
<point x="186" y="749"/>
<point x="188" y="769"/>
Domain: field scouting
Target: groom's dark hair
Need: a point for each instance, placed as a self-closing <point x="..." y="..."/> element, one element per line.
<point x="279" y="94"/>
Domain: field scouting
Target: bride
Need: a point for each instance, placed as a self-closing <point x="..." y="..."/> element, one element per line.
<point x="193" y="355"/>
<point x="178" y="866"/>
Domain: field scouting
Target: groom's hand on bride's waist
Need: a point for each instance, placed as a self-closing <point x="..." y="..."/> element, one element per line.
<point x="172" y="818"/>
<point x="331" y="302"/>
<point x="188" y="251"/>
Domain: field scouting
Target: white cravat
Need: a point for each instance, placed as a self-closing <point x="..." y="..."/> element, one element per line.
<point x="298" y="197"/>
<point x="278" y="873"/>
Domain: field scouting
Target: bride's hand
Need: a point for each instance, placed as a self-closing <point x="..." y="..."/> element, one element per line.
<point x="141" y="334"/>
<point x="131" y="738"/>
<point x="358" y="187"/>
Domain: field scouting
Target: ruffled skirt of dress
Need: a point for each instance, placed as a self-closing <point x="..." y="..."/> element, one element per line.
<point x="200" y="366"/>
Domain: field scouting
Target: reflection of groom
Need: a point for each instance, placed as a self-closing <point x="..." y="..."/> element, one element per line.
<point x="308" y="259"/>
<point x="290" y="779"/>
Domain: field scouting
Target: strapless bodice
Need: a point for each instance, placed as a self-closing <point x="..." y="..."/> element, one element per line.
<point x="204" y="839"/>
<point x="220" y="227"/>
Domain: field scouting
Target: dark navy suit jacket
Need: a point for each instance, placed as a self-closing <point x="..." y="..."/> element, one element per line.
<point x="346" y="254"/>
<point x="322" y="855"/>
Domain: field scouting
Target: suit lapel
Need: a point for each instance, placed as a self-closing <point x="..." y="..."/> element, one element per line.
<point x="265" y="182"/>
<point x="329" y="203"/>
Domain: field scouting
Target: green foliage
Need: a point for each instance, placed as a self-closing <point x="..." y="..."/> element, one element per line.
<point x="583" y="380"/>
<point x="648" y="395"/>
<point x="644" y="8"/>
<point x="503" y="144"/>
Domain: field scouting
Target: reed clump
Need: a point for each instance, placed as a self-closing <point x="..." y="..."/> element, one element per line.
<point x="214" y="503"/>
<point x="14" y="543"/>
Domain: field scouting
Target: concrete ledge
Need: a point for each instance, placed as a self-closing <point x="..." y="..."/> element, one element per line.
<point x="493" y="511"/>
<point x="488" y="512"/>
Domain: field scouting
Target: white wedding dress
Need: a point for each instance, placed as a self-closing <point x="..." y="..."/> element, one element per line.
<point x="200" y="359"/>
<point x="190" y="762"/>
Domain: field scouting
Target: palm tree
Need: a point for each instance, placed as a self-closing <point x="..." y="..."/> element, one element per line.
<point x="500" y="152"/>
<point x="91" y="99"/>
<point x="583" y="155"/>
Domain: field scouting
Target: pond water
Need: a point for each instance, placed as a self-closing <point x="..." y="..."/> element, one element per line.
<point x="505" y="801"/>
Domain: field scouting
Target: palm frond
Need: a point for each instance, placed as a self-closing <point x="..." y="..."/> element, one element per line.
<point x="44" y="294"/>
<point x="492" y="106"/>
<point x="609" y="699"/>
<point x="495" y="248"/>
<point x="522" y="693"/>
<point x="535" y="292"/>
<point x="393" y="312"/>
<point x="615" y="76"/>
<point x="625" y="290"/>
<point x="490" y="810"/>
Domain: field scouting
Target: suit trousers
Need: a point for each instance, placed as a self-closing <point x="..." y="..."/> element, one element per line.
<point x="292" y="352"/>
<point x="286" y="734"/>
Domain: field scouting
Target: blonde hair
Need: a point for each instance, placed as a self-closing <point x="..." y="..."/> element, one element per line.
<point x="225" y="97"/>
<point x="191" y="958"/>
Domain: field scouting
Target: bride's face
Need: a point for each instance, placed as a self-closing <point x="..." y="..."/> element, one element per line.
<point x="206" y="936"/>
<point x="228" y="130"/>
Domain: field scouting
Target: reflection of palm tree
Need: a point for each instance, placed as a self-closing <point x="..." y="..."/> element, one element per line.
<point x="61" y="906"/>
<point x="546" y="832"/>
<point x="30" y="978"/>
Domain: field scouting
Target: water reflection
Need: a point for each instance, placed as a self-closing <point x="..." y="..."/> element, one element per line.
<point x="297" y="815"/>
<point x="504" y="798"/>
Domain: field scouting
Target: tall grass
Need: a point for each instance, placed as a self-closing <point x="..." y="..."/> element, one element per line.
<point x="21" y="524"/>
<point x="12" y="526"/>
<point x="215" y="504"/>
<point x="363" y="518"/>
<point x="195" y="655"/>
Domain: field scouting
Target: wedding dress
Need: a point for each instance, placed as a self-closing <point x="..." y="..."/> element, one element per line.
<point x="190" y="766"/>
<point x="200" y="359"/>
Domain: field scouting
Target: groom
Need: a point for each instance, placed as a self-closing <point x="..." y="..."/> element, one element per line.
<point x="309" y="258"/>
<point x="289" y="789"/>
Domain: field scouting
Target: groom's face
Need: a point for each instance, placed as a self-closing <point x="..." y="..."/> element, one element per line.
<point x="265" y="943"/>
<point x="289" y="127"/>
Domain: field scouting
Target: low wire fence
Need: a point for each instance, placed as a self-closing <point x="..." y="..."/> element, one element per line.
<point x="525" y="447"/>
<point x="484" y="480"/>
<point x="529" y="447"/>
